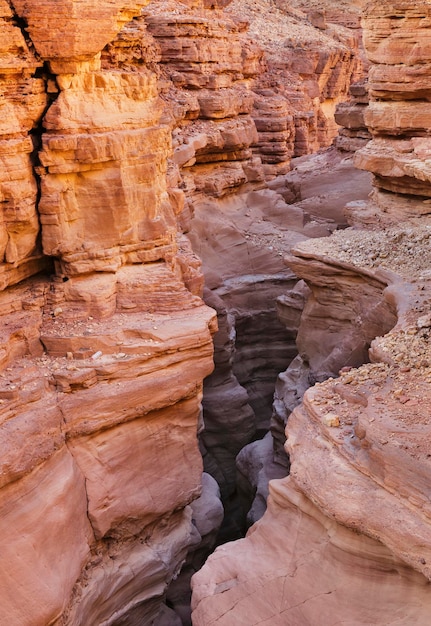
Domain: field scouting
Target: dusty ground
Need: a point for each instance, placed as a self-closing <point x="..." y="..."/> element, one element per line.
<point x="277" y="23"/>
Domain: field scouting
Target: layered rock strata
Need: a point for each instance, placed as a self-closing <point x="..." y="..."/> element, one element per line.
<point x="346" y="503"/>
<point x="352" y="518"/>
<point x="350" y="115"/>
<point x="310" y="65"/>
<point x="397" y="115"/>
<point x="243" y="245"/>
<point x="104" y="354"/>
<point x="207" y="62"/>
<point x="225" y="126"/>
<point x="23" y="102"/>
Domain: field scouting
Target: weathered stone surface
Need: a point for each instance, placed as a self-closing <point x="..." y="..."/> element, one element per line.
<point x="346" y="442"/>
<point x="102" y="361"/>
<point x="243" y="248"/>
<point x="82" y="28"/>
<point x="207" y="63"/>
<point x="125" y="488"/>
<point x="398" y="114"/>
<point x="89" y="152"/>
<point x="254" y="581"/>
<point x="124" y="583"/>
<point x="23" y="100"/>
<point x="389" y="25"/>
<point x="103" y="355"/>
<point x="43" y="405"/>
<point x="45" y="540"/>
<point x="308" y="68"/>
<point x="229" y="418"/>
<point x="354" y="133"/>
<point x="276" y="130"/>
<point x="202" y="51"/>
<point x="356" y="498"/>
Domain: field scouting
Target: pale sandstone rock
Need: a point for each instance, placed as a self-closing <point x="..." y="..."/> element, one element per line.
<point x="208" y="54"/>
<point x="45" y="540"/>
<point x="255" y="582"/>
<point x="23" y="100"/>
<point x="397" y="115"/>
<point x="110" y="221"/>
<point x="308" y="68"/>
<point x="125" y="488"/>
<point x="388" y="26"/>
<point x="250" y="245"/>
<point x="406" y="80"/>
<point x="202" y="51"/>
<point x="276" y="131"/>
<point x="354" y="133"/>
<point x="115" y="329"/>
<point x="350" y="436"/>
<point x="355" y="306"/>
<point x="397" y="118"/>
<point x="126" y="581"/>
<point x="82" y="28"/>
<point x="84" y="169"/>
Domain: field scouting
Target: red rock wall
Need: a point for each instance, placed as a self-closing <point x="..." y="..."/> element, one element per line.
<point x="398" y="114"/>
<point x="347" y="535"/>
<point x="104" y="348"/>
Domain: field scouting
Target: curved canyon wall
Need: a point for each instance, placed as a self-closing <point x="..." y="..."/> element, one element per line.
<point x="238" y="118"/>
<point x="347" y="535"/>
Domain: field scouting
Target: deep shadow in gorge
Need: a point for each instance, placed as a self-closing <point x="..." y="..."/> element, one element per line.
<point x="259" y="315"/>
<point x="228" y="415"/>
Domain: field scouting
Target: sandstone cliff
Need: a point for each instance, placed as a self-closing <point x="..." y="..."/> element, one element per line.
<point x="346" y="538"/>
<point x="105" y="340"/>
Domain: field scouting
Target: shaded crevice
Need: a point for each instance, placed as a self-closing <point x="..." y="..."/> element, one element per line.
<point x="36" y="132"/>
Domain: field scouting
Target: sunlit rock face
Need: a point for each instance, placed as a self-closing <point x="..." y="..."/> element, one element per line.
<point x="398" y="116"/>
<point x="350" y="115"/>
<point x="23" y="101"/>
<point x="346" y="537"/>
<point x="105" y="340"/>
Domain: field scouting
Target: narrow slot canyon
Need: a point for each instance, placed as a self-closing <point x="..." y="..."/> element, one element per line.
<point x="215" y="299"/>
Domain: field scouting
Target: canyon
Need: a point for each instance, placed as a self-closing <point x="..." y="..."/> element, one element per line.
<point x="214" y="300"/>
<point x="345" y="539"/>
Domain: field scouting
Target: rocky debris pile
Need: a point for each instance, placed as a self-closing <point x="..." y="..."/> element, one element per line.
<point x="308" y="66"/>
<point x="403" y="250"/>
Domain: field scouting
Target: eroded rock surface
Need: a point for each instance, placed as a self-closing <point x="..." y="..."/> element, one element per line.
<point x="105" y="339"/>
<point x="347" y="443"/>
<point x="243" y="244"/>
<point x="346" y="537"/>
